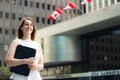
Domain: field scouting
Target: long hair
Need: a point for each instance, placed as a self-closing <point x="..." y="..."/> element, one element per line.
<point x="19" y="33"/>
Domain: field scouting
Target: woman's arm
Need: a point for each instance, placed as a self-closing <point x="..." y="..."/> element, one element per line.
<point x="11" y="61"/>
<point x="40" y="64"/>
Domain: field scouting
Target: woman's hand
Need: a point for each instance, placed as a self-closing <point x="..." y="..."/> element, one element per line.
<point x="29" y="61"/>
<point x="32" y="66"/>
<point x="35" y="66"/>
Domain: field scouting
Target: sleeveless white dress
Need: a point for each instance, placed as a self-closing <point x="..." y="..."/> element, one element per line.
<point x="34" y="74"/>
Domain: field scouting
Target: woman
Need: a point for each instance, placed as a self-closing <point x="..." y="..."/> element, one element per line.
<point x="26" y="36"/>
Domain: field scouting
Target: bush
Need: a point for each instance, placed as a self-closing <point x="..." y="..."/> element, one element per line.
<point x="4" y="73"/>
<point x="5" y="70"/>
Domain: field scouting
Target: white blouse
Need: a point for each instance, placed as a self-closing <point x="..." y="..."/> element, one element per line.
<point x="34" y="74"/>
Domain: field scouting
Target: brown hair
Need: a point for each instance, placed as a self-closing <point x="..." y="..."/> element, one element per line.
<point x="19" y="33"/>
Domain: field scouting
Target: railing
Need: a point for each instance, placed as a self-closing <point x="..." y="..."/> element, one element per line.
<point x="85" y="74"/>
<point x="99" y="4"/>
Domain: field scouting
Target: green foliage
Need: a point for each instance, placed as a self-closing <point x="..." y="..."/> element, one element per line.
<point x="5" y="70"/>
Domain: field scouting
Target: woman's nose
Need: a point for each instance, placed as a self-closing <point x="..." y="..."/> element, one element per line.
<point x="29" y="25"/>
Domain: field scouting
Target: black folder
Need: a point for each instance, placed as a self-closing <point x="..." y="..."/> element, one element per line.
<point x="23" y="52"/>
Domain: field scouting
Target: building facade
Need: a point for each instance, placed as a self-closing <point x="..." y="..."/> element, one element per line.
<point x="85" y="47"/>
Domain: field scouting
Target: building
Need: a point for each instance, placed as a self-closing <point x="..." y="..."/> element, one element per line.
<point x="85" y="47"/>
<point x="12" y="11"/>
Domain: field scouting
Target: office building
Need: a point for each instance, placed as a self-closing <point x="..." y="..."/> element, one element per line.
<point x="85" y="47"/>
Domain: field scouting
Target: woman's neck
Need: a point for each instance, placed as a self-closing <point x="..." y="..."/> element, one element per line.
<point x="26" y="38"/>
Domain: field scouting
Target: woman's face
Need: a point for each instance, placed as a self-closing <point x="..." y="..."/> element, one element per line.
<point x="27" y="27"/>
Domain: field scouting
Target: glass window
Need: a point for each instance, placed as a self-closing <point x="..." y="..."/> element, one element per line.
<point x="1" y="13"/>
<point x="112" y="1"/>
<point x="95" y="5"/>
<point x="37" y="19"/>
<point x="6" y="15"/>
<point x="5" y="47"/>
<point x="26" y="3"/>
<point x="74" y="11"/>
<point x="13" y="31"/>
<point x="37" y="4"/>
<point x="54" y="21"/>
<point x="31" y="4"/>
<point x="92" y="47"/>
<point x="53" y="8"/>
<point x="6" y="31"/>
<point x="0" y="46"/>
<point x="43" y="6"/>
<point x="0" y="30"/>
<point x="48" y="7"/>
<point x="43" y="20"/>
<point x="19" y="17"/>
<point x="13" y="16"/>
<point x="48" y="21"/>
<point x="106" y="2"/>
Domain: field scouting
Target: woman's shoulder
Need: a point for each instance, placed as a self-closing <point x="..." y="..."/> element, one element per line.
<point x="38" y="44"/>
<point x="35" y="42"/>
<point x="17" y="41"/>
<point x="14" y="42"/>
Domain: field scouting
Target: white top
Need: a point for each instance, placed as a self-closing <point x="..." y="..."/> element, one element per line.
<point x="34" y="74"/>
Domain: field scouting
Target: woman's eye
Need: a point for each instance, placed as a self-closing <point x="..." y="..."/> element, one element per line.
<point x="28" y="24"/>
<point x="31" y="25"/>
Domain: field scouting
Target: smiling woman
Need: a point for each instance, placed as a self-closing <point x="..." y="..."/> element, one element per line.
<point x="26" y="33"/>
